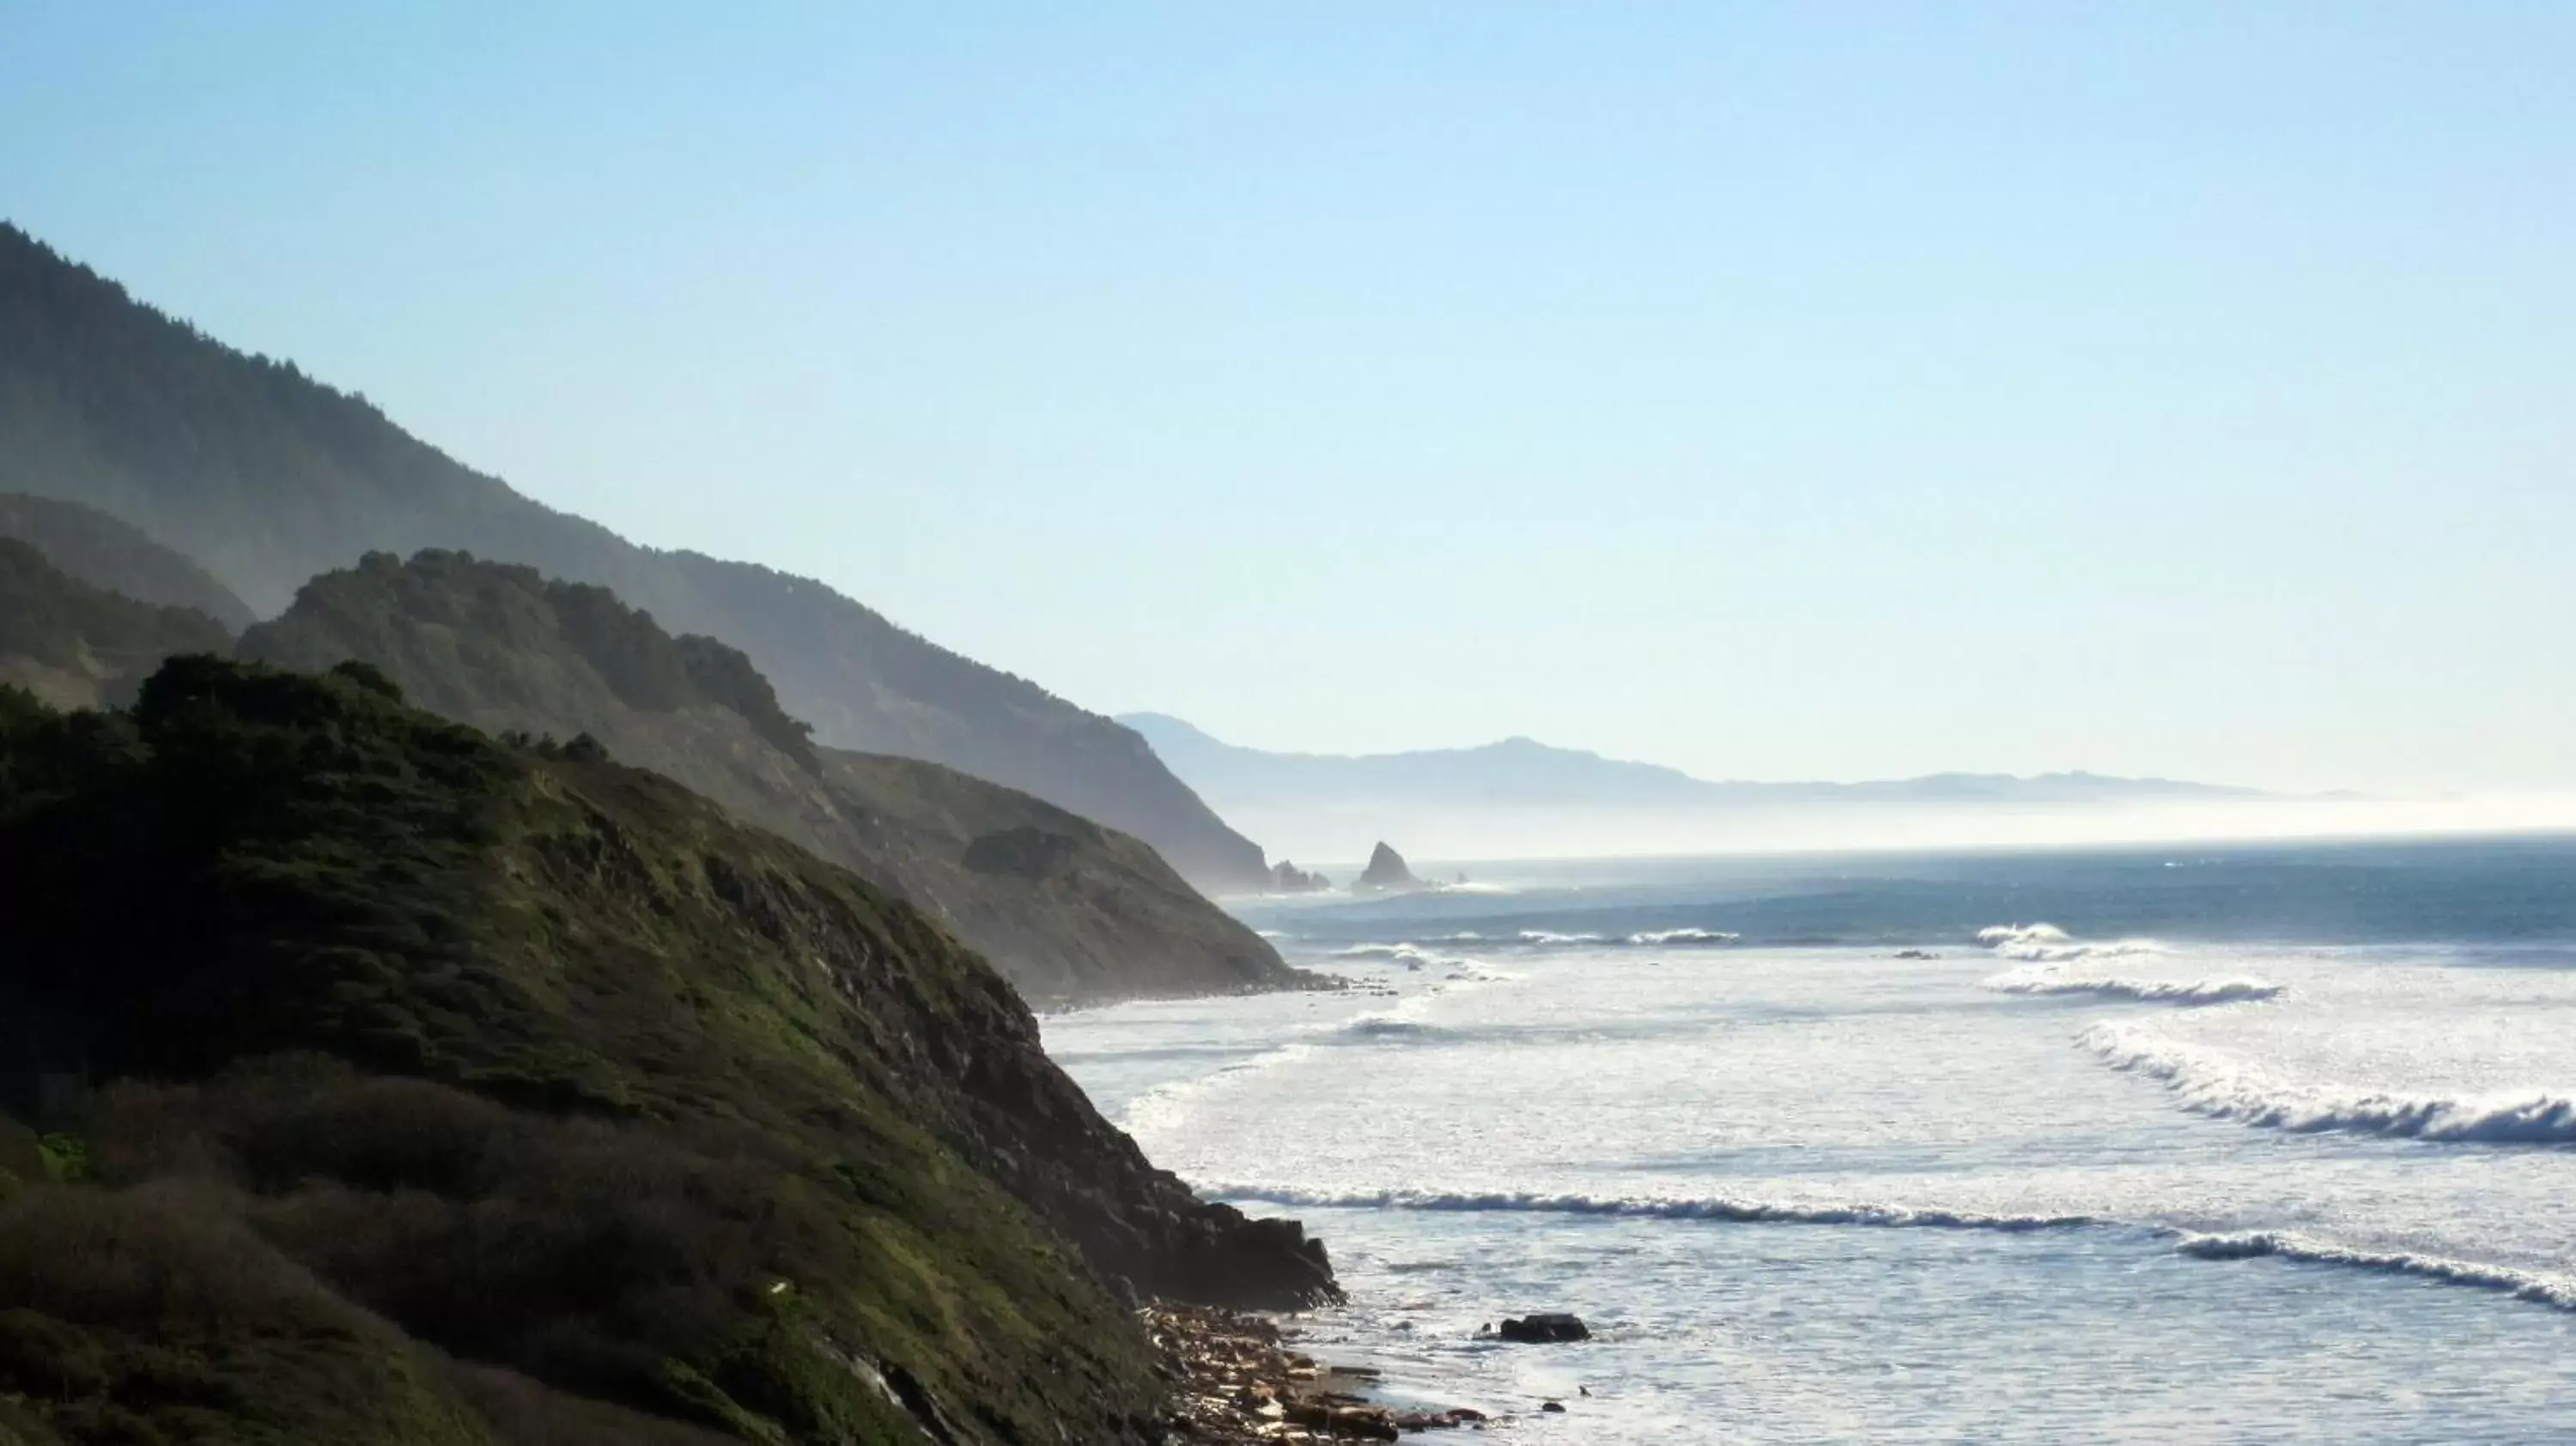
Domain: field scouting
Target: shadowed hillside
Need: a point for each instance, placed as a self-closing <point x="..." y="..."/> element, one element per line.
<point x="412" y="1086"/>
<point x="104" y="552"/>
<point x="1067" y="909"/>
<point x="78" y="646"/>
<point x="269" y="478"/>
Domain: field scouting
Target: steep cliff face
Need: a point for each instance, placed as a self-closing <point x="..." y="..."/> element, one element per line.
<point x="435" y="1084"/>
<point x="269" y="478"/>
<point x="1067" y="910"/>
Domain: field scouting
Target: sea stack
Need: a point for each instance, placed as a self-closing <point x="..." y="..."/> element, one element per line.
<point x="1287" y="878"/>
<point x="1386" y="874"/>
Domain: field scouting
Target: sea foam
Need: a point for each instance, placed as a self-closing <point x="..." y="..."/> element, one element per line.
<point x="1725" y="1208"/>
<point x="2049" y="944"/>
<point x="2234" y="989"/>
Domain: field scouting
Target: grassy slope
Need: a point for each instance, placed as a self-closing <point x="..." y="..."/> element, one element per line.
<point x="1087" y="913"/>
<point x="268" y="477"/>
<point x="437" y="1048"/>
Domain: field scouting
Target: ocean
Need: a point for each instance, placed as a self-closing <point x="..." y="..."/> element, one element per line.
<point x="2229" y="1144"/>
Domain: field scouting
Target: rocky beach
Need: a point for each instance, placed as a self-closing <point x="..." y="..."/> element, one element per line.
<point x="1237" y="1378"/>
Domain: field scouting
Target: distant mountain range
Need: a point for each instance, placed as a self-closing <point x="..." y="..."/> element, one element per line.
<point x="1521" y="773"/>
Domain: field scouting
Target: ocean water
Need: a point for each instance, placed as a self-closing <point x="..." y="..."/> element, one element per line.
<point x="2263" y="1144"/>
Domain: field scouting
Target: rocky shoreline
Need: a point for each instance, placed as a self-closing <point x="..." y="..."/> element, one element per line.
<point x="1237" y="1378"/>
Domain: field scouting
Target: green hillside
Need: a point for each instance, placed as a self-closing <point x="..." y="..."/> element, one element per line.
<point x="1066" y="909"/>
<point x="411" y="1086"/>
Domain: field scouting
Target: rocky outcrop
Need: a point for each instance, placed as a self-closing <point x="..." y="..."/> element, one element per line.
<point x="1287" y="878"/>
<point x="1386" y="874"/>
<point x="1544" y="1328"/>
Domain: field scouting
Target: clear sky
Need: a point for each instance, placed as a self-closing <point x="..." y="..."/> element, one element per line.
<point x="1787" y="391"/>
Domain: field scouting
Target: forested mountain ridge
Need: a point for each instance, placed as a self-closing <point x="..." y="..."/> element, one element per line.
<point x="77" y="646"/>
<point x="1066" y="909"/>
<point x="449" y="1091"/>
<point x="268" y="478"/>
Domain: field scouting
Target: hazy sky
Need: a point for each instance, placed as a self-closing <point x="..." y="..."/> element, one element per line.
<point x="1802" y="390"/>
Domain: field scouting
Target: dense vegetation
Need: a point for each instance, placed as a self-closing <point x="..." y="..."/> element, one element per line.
<point x="1078" y="912"/>
<point x="75" y="645"/>
<point x="269" y="478"/>
<point x="436" y="1089"/>
<point x="103" y="552"/>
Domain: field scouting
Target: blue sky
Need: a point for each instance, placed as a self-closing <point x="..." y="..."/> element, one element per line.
<point x="1790" y="391"/>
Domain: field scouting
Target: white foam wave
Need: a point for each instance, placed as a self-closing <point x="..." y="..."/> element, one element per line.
<point x="2049" y="944"/>
<point x="1162" y="1106"/>
<point x="2557" y="1291"/>
<point x="2234" y="989"/>
<point x="1653" y="938"/>
<point x="2545" y="1289"/>
<point x="1648" y="1207"/>
<point x="1410" y="955"/>
<point x="2212" y="1083"/>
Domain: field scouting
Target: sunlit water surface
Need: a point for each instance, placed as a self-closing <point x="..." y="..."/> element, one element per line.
<point x="2276" y="1146"/>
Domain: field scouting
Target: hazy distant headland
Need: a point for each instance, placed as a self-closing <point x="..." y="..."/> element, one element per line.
<point x="1520" y="798"/>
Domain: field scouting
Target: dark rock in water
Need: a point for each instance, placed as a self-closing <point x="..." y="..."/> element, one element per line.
<point x="1386" y="873"/>
<point x="1916" y="954"/>
<point x="1545" y="1328"/>
<point x="1287" y="878"/>
<point x="1553" y="1407"/>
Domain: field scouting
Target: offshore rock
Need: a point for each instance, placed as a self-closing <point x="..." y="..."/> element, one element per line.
<point x="1545" y="1328"/>
<point x="1386" y="873"/>
<point x="1287" y="878"/>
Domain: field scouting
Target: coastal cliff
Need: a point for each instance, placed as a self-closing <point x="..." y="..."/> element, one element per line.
<point x="401" y="1084"/>
<point x="1069" y="911"/>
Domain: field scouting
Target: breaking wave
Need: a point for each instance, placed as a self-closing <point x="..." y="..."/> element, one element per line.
<point x="2238" y="989"/>
<point x="2210" y="1083"/>
<point x="2557" y="1291"/>
<point x="1683" y="936"/>
<point x="2049" y="944"/>
<point x="1654" y="938"/>
<point x="1411" y="955"/>
<point x="1649" y="1207"/>
<point x="2550" y="1290"/>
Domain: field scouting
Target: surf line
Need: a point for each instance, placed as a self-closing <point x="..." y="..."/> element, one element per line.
<point x="2555" y="1291"/>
